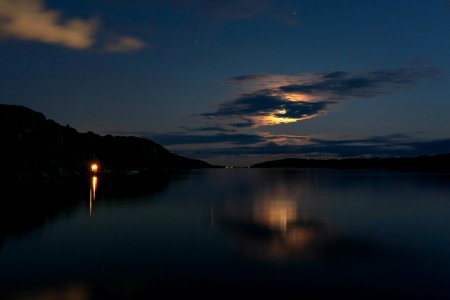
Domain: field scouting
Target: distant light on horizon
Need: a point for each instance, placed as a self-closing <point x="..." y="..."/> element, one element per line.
<point x="94" y="168"/>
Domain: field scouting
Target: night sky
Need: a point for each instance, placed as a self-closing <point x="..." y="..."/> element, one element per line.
<point x="237" y="81"/>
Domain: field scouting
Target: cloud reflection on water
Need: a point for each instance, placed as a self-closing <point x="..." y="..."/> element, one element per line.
<point x="67" y="292"/>
<point x="274" y="230"/>
<point x="280" y="230"/>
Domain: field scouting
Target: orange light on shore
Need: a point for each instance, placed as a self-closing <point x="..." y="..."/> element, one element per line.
<point x="94" y="168"/>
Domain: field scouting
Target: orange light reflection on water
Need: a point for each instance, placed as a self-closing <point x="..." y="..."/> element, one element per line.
<point x="93" y="189"/>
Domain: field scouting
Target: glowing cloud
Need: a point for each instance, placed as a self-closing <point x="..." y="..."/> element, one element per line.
<point x="125" y="44"/>
<point x="30" y="20"/>
<point x="264" y="100"/>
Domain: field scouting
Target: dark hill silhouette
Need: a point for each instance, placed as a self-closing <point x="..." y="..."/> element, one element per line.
<point x="436" y="162"/>
<point x="35" y="147"/>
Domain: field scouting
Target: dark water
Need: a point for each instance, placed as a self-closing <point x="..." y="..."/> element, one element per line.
<point x="304" y="233"/>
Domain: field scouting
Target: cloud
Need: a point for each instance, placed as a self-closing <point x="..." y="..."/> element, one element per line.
<point x="182" y="139"/>
<point x="228" y="9"/>
<point x="207" y="129"/>
<point x="188" y="138"/>
<point x="265" y="109"/>
<point x="246" y="124"/>
<point x="231" y="10"/>
<point x="29" y="20"/>
<point x="380" y="146"/>
<point x="125" y="44"/>
<point x="270" y="146"/>
<point x="265" y="99"/>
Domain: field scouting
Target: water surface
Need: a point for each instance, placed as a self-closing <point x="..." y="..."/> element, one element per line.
<point x="309" y="233"/>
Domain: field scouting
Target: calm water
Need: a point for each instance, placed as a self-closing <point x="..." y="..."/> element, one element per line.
<point x="306" y="233"/>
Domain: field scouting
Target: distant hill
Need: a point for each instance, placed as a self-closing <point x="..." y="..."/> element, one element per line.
<point x="436" y="162"/>
<point x="35" y="147"/>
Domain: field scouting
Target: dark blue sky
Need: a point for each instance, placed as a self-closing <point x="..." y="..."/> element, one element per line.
<point x="237" y="81"/>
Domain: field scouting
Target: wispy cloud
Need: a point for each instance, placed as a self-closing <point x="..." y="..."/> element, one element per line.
<point x="265" y="99"/>
<point x="222" y="138"/>
<point x="31" y="20"/>
<point x="229" y="10"/>
<point x="258" y="145"/>
<point x="291" y="146"/>
<point x="125" y="44"/>
<point x="208" y="129"/>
